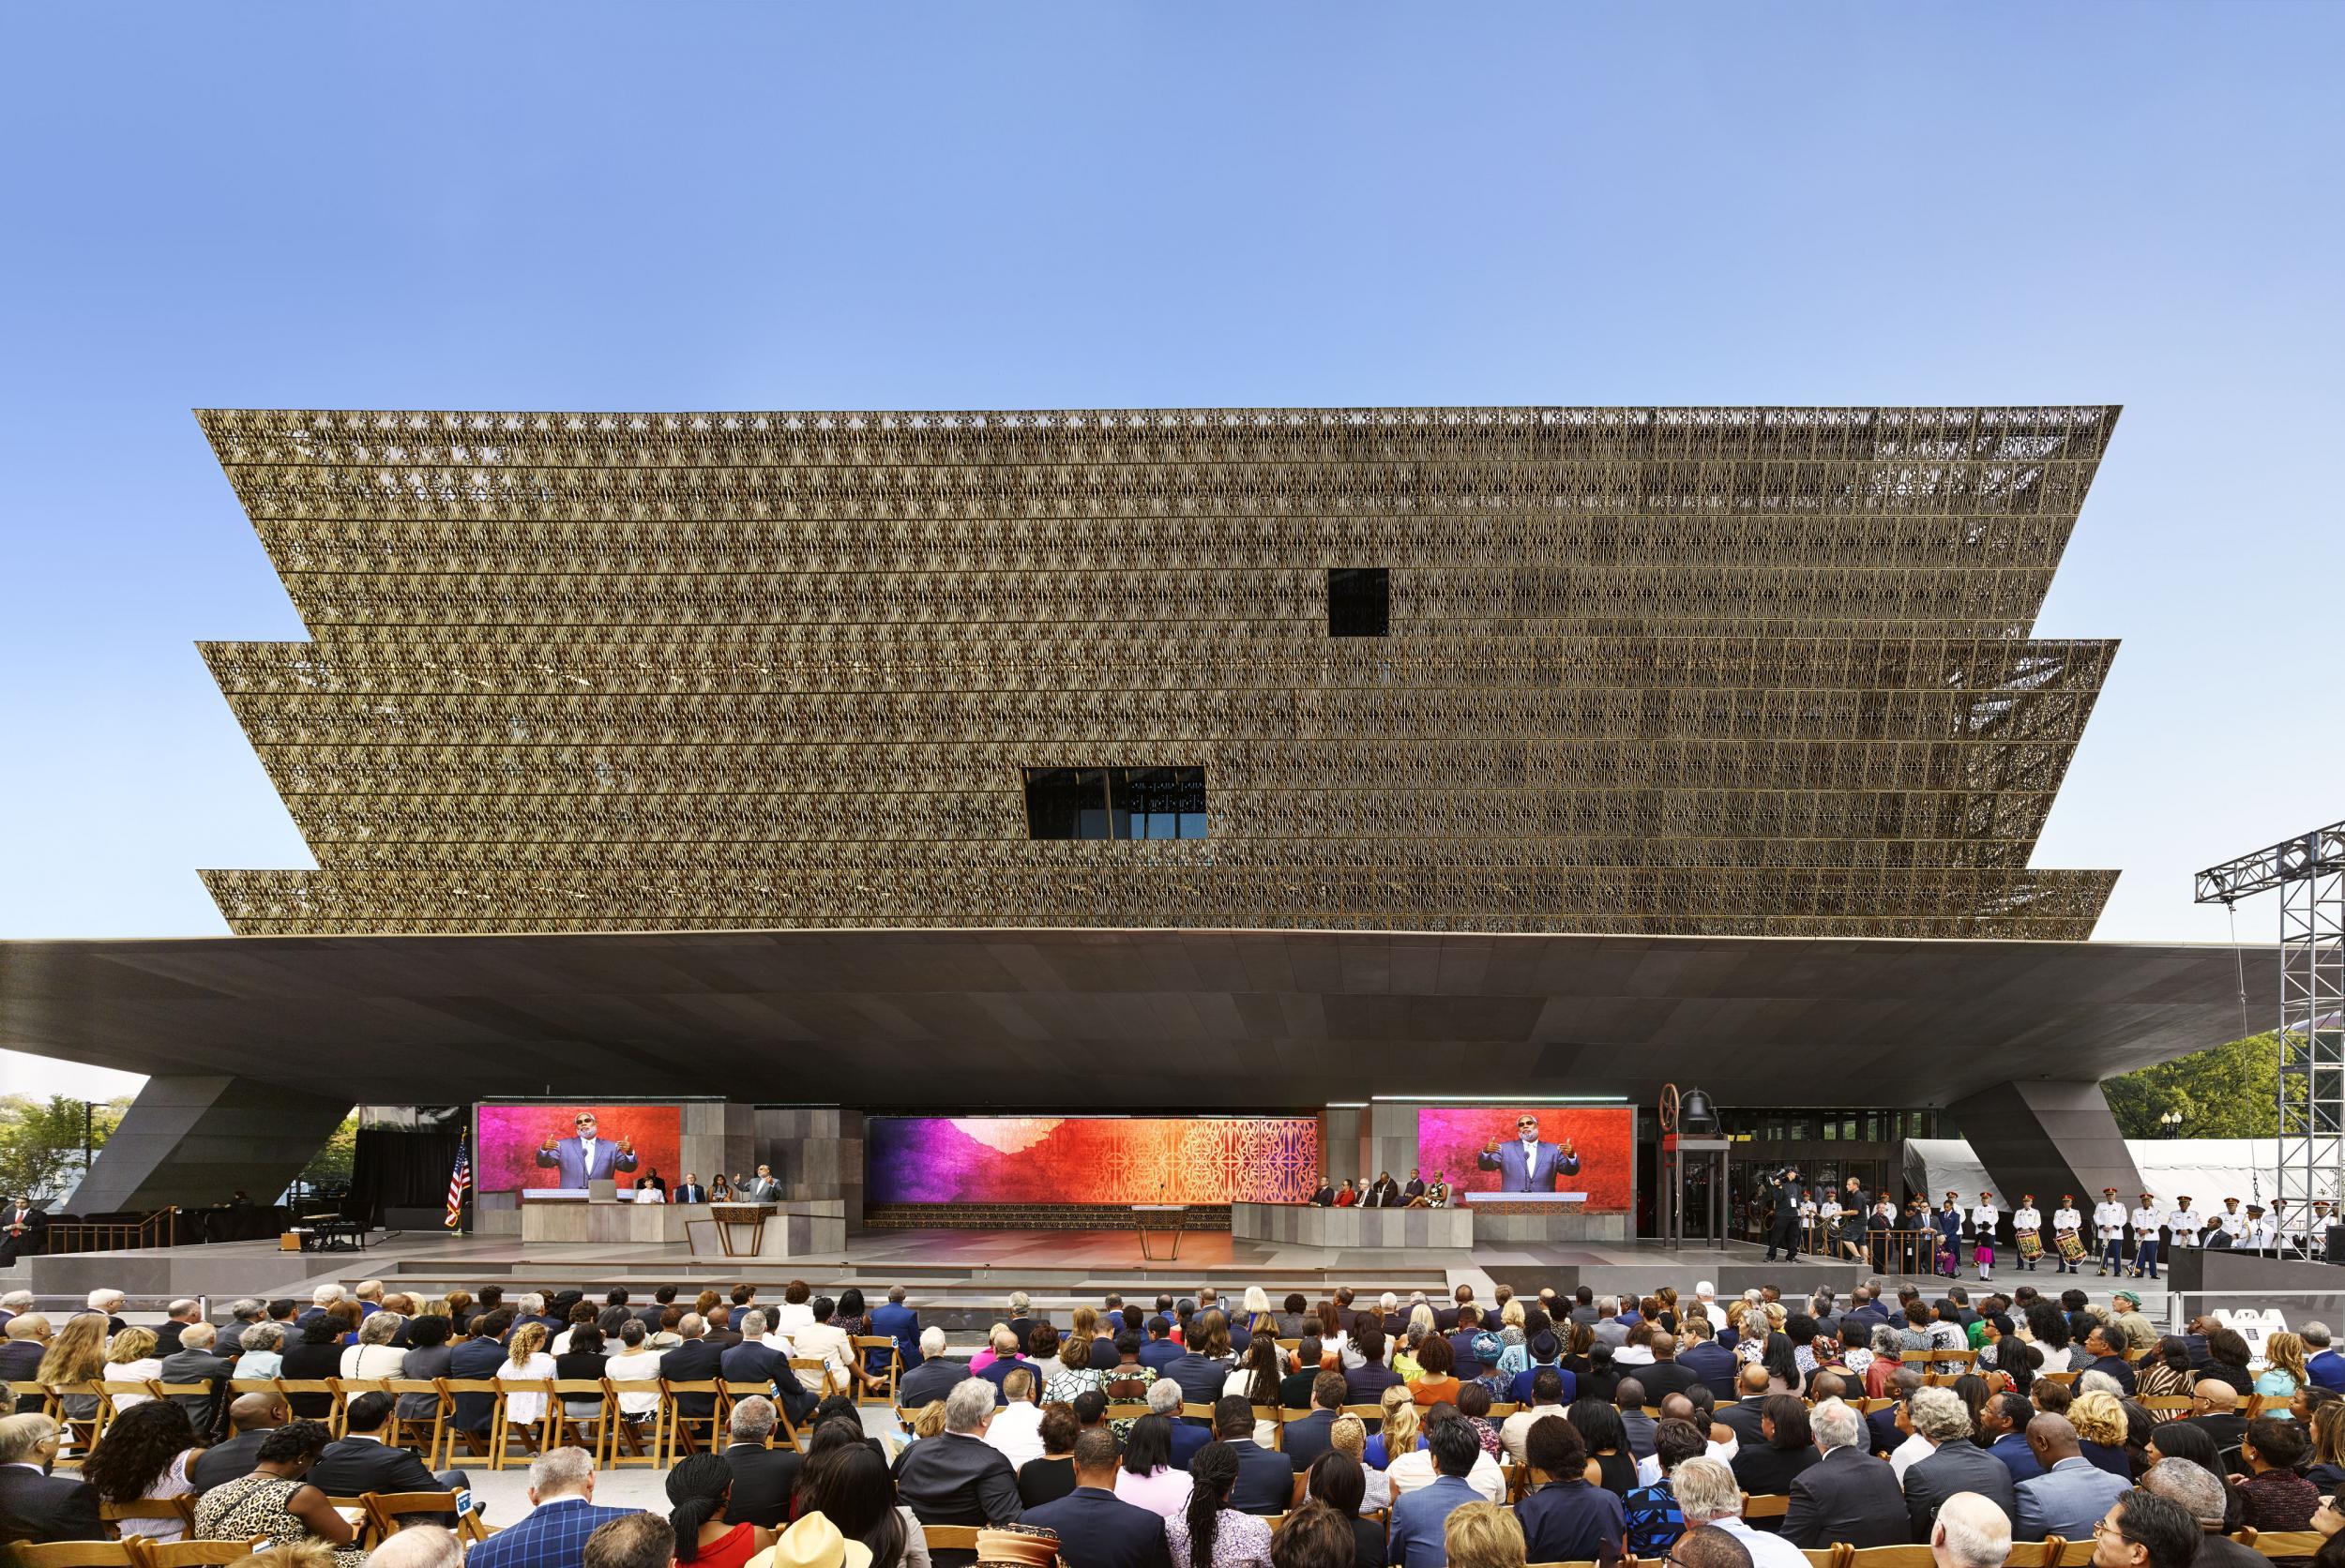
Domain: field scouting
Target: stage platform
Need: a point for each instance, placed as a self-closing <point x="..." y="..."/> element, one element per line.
<point x="957" y="1276"/>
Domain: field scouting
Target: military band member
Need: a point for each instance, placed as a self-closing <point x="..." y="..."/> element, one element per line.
<point x="2144" y="1221"/>
<point x="2068" y="1221"/>
<point x="2261" y="1236"/>
<point x="2183" y="1226"/>
<point x="2027" y="1231"/>
<point x="2232" y="1223"/>
<point x="2109" y="1228"/>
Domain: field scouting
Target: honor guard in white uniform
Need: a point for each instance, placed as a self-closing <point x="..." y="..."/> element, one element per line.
<point x="2261" y="1235"/>
<point x="2108" y="1230"/>
<point x="2234" y="1224"/>
<point x="2144" y="1221"/>
<point x="2027" y="1222"/>
<point x="2068" y="1220"/>
<point x="2183" y="1226"/>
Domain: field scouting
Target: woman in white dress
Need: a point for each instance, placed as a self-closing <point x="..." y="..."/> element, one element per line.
<point x="527" y="1358"/>
<point x="131" y="1358"/>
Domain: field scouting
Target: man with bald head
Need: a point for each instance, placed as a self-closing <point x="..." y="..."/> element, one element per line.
<point x="1741" y="1417"/>
<point x="251" y="1417"/>
<point x="1708" y="1546"/>
<point x="2214" y="1409"/>
<point x="2072" y="1496"/>
<point x="1970" y="1531"/>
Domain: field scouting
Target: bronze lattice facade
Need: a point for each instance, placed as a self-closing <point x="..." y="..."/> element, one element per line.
<point x="1675" y="671"/>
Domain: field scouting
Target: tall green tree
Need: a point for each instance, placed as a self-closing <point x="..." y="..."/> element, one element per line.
<point x="2229" y="1091"/>
<point x="40" y="1141"/>
<point x="330" y="1166"/>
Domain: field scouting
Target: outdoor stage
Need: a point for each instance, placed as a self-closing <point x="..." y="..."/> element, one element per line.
<point x="951" y="1274"/>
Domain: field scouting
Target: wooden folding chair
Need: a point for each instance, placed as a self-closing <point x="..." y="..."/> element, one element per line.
<point x="191" y="1554"/>
<point x="1825" y="1557"/>
<point x="867" y="1345"/>
<point x="113" y="1393"/>
<point x="2287" y="1543"/>
<point x="368" y="1536"/>
<point x="2048" y="1553"/>
<point x="1501" y="1412"/>
<point x="82" y="1432"/>
<point x="322" y="1386"/>
<point x="1115" y="1413"/>
<point x="940" y="1538"/>
<point x="1771" y="1507"/>
<point x="1889" y="1557"/>
<point x="1372" y="1414"/>
<point x="1272" y="1414"/>
<point x="181" y="1509"/>
<point x="77" y="1554"/>
<point x="537" y="1436"/>
<point x="681" y="1437"/>
<point x="815" y="1374"/>
<point x="250" y="1385"/>
<point x="564" y="1424"/>
<point x="347" y="1389"/>
<point x="386" y="1512"/>
<point x="203" y="1401"/>
<point x="631" y="1431"/>
<point x="400" y="1431"/>
<point x="19" y="1393"/>
<point x="480" y="1447"/>
<point x="2173" y="1404"/>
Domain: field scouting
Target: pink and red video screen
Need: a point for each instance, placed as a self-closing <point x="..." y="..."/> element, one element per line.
<point x="623" y="1142"/>
<point x="1572" y="1149"/>
<point x="1086" y="1159"/>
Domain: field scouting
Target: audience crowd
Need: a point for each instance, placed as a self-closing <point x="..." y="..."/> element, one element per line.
<point x="1196" y="1433"/>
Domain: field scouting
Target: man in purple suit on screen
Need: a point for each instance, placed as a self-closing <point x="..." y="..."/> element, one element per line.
<point x="1527" y="1165"/>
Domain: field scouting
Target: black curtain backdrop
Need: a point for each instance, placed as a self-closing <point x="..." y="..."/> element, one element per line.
<point x="400" y="1167"/>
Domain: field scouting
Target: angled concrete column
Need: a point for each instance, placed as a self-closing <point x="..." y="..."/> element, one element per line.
<point x="2048" y="1136"/>
<point x="193" y="1139"/>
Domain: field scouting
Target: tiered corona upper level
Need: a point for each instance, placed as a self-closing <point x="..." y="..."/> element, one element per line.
<point x="1683" y="671"/>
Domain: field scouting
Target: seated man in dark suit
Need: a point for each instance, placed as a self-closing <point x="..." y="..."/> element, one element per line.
<point x="1306" y="1440"/>
<point x="194" y="1362"/>
<point x="1164" y="1399"/>
<point x="1741" y="1413"/>
<point x="900" y="1323"/>
<point x="698" y="1360"/>
<point x="1200" y="1377"/>
<point x="934" y="1377"/>
<point x="1712" y="1363"/>
<point x="762" y="1478"/>
<point x="252" y="1417"/>
<point x="1955" y="1463"/>
<point x="1095" y="1527"/>
<point x="35" y="1506"/>
<point x="956" y="1477"/>
<point x="1365" y="1384"/>
<point x="1007" y="1358"/>
<point x="360" y="1461"/>
<point x="753" y="1362"/>
<point x="1160" y="1351"/>
<point x="1848" y="1495"/>
<point x="477" y="1360"/>
<point x="1265" y="1477"/>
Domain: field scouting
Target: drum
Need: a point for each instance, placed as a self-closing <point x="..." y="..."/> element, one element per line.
<point x="2071" y="1246"/>
<point x="2031" y="1244"/>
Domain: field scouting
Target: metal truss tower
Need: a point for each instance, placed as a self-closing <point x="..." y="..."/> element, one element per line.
<point x="2309" y="872"/>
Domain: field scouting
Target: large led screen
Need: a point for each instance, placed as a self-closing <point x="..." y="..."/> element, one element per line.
<point x="546" y="1144"/>
<point x="1498" y="1149"/>
<point x="1072" y="1159"/>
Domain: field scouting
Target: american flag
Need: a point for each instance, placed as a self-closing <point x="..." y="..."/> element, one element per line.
<point x="458" y="1182"/>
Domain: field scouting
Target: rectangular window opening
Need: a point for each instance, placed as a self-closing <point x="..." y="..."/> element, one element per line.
<point x="1115" y="803"/>
<point x="1359" y="601"/>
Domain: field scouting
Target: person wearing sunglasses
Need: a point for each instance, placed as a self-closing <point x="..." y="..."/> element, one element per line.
<point x="1528" y="1164"/>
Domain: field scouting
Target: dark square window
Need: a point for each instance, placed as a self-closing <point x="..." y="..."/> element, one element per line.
<point x="1359" y="601"/>
<point x="1066" y="803"/>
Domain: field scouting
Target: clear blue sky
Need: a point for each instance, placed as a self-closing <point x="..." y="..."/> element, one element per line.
<point x="658" y="207"/>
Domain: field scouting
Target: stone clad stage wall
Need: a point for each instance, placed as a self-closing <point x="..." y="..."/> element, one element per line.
<point x="1301" y="1225"/>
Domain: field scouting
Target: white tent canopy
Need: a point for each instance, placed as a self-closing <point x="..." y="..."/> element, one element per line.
<point x="2207" y="1169"/>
